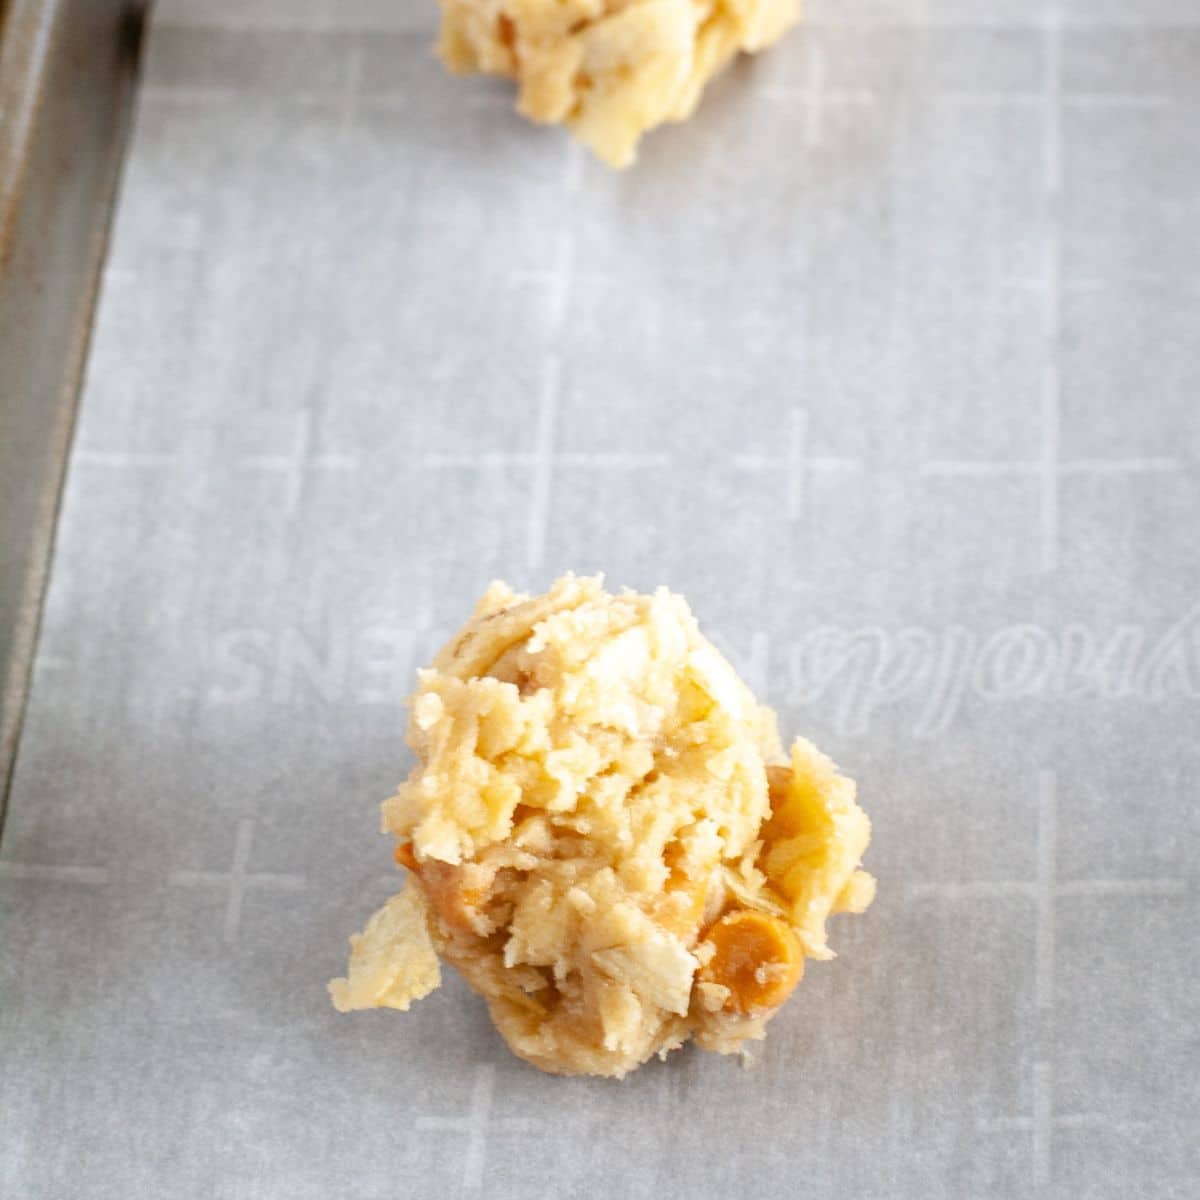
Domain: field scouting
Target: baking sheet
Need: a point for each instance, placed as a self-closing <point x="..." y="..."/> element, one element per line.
<point x="887" y="360"/>
<point x="67" y="75"/>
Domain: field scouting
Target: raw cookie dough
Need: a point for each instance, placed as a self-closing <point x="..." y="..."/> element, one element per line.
<point x="604" y="836"/>
<point x="610" y="69"/>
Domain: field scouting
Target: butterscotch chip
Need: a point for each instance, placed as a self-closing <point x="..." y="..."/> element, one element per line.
<point x="756" y="958"/>
<point x="603" y="835"/>
<point x="609" y="69"/>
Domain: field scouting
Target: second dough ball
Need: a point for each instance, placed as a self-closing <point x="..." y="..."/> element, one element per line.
<point x="609" y="69"/>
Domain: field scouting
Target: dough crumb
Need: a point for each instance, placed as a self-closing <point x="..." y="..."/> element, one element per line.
<point x="608" y="69"/>
<point x="605" y="838"/>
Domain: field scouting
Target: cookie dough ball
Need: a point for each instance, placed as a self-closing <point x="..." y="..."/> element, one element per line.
<point x="609" y="69"/>
<point x="604" y="836"/>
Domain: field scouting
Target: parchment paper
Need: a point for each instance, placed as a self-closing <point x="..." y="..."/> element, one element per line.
<point x="887" y="360"/>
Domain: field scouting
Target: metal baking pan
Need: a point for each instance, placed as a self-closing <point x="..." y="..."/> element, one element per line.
<point x="67" y="69"/>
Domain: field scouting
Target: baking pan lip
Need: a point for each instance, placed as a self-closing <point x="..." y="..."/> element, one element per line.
<point x="66" y="73"/>
<point x="26" y="28"/>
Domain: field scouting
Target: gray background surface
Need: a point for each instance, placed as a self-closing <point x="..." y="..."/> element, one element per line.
<point x="887" y="360"/>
